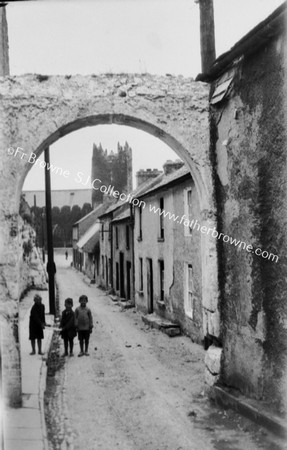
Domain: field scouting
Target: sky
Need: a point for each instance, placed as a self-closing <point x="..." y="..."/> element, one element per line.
<point x="133" y="36"/>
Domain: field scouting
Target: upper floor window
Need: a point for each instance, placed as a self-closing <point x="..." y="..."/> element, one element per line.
<point x="127" y="237"/>
<point x="161" y="218"/>
<point x="117" y="237"/>
<point x="189" y="290"/>
<point x="102" y="231"/>
<point x="188" y="212"/>
<point x="140" y="223"/>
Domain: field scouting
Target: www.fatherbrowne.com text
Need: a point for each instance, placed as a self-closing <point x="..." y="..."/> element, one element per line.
<point x="96" y="184"/>
<point x="195" y="225"/>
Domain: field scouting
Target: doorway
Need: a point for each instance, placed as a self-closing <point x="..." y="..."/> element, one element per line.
<point x="129" y="269"/>
<point x="149" y="286"/>
<point x="122" y="276"/>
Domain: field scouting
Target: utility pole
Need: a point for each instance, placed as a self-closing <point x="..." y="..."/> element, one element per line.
<point x="207" y="36"/>
<point x="51" y="268"/>
<point x="4" y="48"/>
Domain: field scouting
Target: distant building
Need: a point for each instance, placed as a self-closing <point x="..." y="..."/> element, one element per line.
<point x="83" y="230"/>
<point x="113" y="169"/>
<point x="117" y="242"/>
<point x="60" y="197"/>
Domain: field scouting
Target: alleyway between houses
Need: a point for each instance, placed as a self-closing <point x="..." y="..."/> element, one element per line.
<point x="139" y="389"/>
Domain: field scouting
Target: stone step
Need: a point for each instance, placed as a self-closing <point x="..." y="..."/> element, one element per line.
<point x="126" y="304"/>
<point x="166" y="326"/>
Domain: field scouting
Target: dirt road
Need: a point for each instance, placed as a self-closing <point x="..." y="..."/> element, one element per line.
<point x="140" y="389"/>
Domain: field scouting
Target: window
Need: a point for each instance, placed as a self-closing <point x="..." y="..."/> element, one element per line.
<point x="140" y="274"/>
<point x="161" y="280"/>
<point x="110" y="231"/>
<point x="189" y="291"/>
<point x="140" y="224"/>
<point x="188" y="212"/>
<point x="103" y="266"/>
<point x="102" y="231"/>
<point x="127" y="237"/>
<point x="161" y="218"/>
<point x="117" y="237"/>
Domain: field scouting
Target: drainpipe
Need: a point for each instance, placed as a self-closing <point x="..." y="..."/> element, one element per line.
<point x="112" y="254"/>
<point x="132" y="225"/>
<point x="207" y="36"/>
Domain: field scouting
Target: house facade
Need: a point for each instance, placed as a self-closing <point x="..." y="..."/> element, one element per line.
<point x="249" y="141"/>
<point x="123" y="259"/>
<point x="117" y="240"/>
<point x="168" y="252"/>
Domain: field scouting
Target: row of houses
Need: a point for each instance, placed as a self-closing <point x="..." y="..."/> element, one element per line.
<point x="145" y="250"/>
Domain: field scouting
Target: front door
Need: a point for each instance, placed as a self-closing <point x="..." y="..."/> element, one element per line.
<point x="149" y="286"/>
<point x="129" y="266"/>
<point x="122" y="276"/>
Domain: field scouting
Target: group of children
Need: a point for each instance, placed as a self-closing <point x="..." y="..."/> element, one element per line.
<point x="72" y="323"/>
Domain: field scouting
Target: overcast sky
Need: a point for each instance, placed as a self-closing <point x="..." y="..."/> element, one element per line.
<point x="98" y="36"/>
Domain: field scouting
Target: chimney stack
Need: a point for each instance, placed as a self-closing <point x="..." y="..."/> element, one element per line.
<point x="170" y="166"/>
<point x="144" y="175"/>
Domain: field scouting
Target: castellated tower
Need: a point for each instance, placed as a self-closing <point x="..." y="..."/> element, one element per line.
<point x="113" y="169"/>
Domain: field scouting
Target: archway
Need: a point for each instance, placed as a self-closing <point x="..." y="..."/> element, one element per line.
<point x="173" y="109"/>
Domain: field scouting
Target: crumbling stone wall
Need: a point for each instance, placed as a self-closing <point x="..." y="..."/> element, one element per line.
<point x="37" y="110"/>
<point x="249" y="137"/>
<point x="32" y="270"/>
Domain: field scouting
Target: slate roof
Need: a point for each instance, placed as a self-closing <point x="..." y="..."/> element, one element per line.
<point x="123" y="216"/>
<point x="177" y="175"/>
<point x="135" y="193"/>
<point x="150" y="186"/>
<point x="87" y="221"/>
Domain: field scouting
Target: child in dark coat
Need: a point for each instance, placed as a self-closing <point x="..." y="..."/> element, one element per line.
<point x="68" y="326"/>
<point x="37" y="324"/>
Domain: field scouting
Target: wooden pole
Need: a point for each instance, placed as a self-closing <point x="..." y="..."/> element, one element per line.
<point x="51" y="268"/>
<point x="207" y="36"/>
<point x="4" y="47"/>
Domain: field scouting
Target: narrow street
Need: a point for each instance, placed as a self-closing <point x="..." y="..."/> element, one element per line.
<point x="140" y="389"/>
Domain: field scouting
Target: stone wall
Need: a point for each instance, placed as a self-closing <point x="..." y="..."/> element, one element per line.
<point x="32" y="270"/>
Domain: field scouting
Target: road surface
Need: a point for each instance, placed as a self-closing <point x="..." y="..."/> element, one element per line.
<point x="140" y="389"/>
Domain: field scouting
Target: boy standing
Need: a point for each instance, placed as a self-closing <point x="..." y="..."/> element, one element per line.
<point x="84" y="324"/>
<point x="68" y="326"/>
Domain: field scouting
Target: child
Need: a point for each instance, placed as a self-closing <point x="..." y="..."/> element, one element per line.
<point x="84" y="324"/>
<point x="37" y="324"/>
<point x="68" y="326"/>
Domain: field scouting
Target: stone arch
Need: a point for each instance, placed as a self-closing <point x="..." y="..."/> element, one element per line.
<point x="38" y="110"/>
<point x="122" y="119"/>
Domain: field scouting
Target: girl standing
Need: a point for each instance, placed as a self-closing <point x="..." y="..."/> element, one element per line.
<point x="37" y="324"/>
